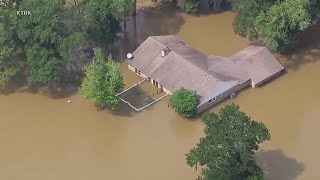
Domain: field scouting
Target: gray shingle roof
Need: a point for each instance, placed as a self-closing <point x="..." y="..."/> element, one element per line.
<point x="186" y="67"/>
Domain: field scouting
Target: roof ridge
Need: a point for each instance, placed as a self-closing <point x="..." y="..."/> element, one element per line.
<point x="206" y="72"/>
<point x="251" y="54"/>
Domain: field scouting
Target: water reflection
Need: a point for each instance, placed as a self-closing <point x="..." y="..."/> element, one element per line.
<point x="276" y="165"/>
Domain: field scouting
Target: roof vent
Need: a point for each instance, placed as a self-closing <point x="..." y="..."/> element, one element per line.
<point x="129" y="56"/>
<point x="165" y="51"/>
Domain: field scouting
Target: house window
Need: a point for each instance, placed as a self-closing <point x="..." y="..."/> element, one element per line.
<point x="212" y="100"/>
<point x="137" y="71"/>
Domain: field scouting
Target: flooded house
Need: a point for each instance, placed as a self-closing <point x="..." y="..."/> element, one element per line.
<point x="170" y="64"/>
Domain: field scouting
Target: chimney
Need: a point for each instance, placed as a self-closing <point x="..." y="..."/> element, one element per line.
<point x="165" y="52"/>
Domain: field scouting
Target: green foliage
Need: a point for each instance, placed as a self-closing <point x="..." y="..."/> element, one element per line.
<point x="185" y="102"/>
<point x="279" y="26"/>
<point x="227" y="149"/>
<point x="190" y="6"/>
<point x="102" y="26"/>
<point x="103" y="80"/>
<point x="44" y="67"/>
<point x="122" y="8"/>
<point x="73" y="59"/>
<point x="244" y="23"/>
<point x="46" y="44"/>
<point x="9" y="44"/>
<point x="276" y="22"/>
<point x="42" y="34"/>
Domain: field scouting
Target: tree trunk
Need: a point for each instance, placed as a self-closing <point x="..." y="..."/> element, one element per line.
<point x="174" y="2"/>
<point x="134" y="8"/>
<point x="125" y="25"/>
<point x="135" y="33"/>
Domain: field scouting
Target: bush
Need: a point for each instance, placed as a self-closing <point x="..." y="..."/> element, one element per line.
<point x="190" y="6"/>
<point x="185" y="102"/>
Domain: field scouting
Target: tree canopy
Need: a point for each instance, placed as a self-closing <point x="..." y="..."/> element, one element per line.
<point x="227" y="149"/>
<point x="47" y="44"/>
<point x="189" y="6"/>
<point x="185" y="102"/>
<point x="103" y="80"/>
<point x="276" y="23"/>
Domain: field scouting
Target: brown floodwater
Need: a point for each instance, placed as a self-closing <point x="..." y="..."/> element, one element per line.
<point x="44" y="138"/>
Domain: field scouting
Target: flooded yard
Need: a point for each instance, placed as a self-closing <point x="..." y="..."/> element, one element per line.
<point x="46" y="138"/>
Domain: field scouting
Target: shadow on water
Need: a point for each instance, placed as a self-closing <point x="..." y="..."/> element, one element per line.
<point x="205" y="9"/>
<point x="19" y="84"/>
<point x="276" y="165"/>
<point x="121" y="110"/>
<point x="307" y="51"/>
<point x="161" y="21"/>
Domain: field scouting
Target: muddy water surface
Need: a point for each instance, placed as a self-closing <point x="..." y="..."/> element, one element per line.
<point x="45" y="138"/>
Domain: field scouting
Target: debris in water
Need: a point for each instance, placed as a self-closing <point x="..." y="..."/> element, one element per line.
<point x="69" y="101"/>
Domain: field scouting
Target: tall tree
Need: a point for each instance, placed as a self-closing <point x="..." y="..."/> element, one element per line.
<point x="276" y="22"/>
<point x="103" y="80"/>
<point x="122" y="10"/>
<point x="42" y="34"/>
<point x="245" y="22"/>
<point x="10" y="49"/>
<point x="48" y="43"/>
<point x="280" y="25"/>
<point x="227" y="149"/>
<point x="101" y="26"/>
<point x="134" y="8"/>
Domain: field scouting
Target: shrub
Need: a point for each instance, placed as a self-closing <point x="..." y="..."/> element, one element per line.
<point x="190" y="6"/>
<point x="185" y="102"/>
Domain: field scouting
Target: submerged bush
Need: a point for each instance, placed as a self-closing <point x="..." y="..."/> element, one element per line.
<point x="189" y="6"/>
<point x="185" y="102"/>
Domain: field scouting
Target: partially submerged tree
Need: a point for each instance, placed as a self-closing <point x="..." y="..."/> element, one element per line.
<point x="185" y="102"/>
<point x="41" y="35"/>
<point x="276" y="23"/>
<point x="103" y="80"/>
<point x="101" y="25"/>
<point x="46" y="44"/>
<point x="280" y="25"/>
<point x="9" y="43"/>
<point x="228" y="147"/>
<point x="122" y="10"/>
<point x="190" y="6"/>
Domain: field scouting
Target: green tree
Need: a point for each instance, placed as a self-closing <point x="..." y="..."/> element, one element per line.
<point x="44" y="68"/>
<point x="48" y="44"/>
<point x="10" y="50"/>
<point x="42" y="34"/>
<point x="74" y="59"/>
<point x="280" y="25"/>
<point x="185" y="102"/>
<point x="122" y="10"/>
<point x="190" y="6"/>
<point x="103" y="80"/>
<point x="276" y="22"/>
<point x="101" y="25"/>
<point x="227" y="149"/>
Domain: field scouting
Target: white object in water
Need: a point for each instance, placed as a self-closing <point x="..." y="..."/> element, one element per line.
<point x="129" y="56"/>
<point x="69" y="101"/>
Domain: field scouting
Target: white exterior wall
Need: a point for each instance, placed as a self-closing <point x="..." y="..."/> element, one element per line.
<point x="268" y="79"/>
<point x="225" y="95"/>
